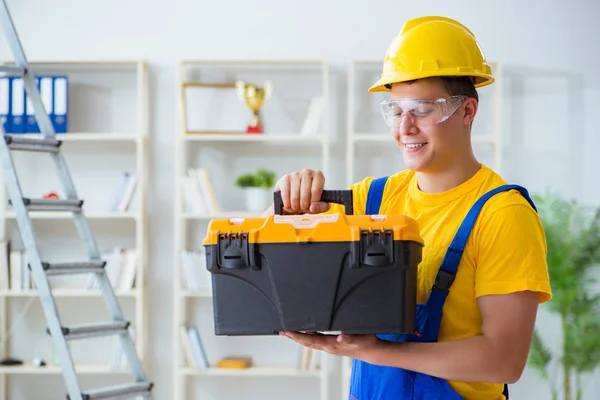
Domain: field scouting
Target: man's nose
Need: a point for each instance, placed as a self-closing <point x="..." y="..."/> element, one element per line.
<point x="406" y="125"/>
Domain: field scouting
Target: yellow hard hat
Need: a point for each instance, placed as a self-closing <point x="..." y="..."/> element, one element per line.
<point x="433" y="46"/>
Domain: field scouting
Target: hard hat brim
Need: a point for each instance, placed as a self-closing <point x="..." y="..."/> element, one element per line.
<point x="481" y="80"/>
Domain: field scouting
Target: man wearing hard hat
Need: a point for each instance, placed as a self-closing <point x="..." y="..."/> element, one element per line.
<point x="483" y="271"/>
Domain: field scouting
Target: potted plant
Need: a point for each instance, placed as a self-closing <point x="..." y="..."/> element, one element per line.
<point x="258" y="189"/>
<point x="573" y="239"/>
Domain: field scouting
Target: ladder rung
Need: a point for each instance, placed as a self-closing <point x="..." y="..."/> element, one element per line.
<point x="74" y="267"/>
<point x="125" y="391"/>
<point x="30" y="144"/>
<point x="82" y="331"/>
<point x="52" y="204"/>
<point x="12" y="70"/>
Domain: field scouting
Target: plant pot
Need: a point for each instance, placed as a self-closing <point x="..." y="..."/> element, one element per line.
<point x="258" y="199"/>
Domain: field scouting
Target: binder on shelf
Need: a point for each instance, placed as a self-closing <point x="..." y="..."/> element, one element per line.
<point x="18" y="106"/>
<point x="44" y="84"/>
<point x="5" y="102"/>
<point x="31" y="124"/>
<point x="16" y="110"/>
<point x="60" y="97"/>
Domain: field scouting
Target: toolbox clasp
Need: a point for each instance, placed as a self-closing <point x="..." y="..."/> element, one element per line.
<point x="375" y="249"/>
<point x="235" y="252"/>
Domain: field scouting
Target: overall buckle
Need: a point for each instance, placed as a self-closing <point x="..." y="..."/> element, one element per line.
<point x="443" y="281"/>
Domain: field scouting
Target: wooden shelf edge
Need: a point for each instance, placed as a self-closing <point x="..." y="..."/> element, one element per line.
<point x="212" y="136"/>
<point x="108" y="215"/>
<point x="252" y="371"/>
<point x="62" y="293"/>
<point x="30" y="369"/>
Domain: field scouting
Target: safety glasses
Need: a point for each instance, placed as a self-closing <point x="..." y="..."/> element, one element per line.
<point x="422" y="112"/>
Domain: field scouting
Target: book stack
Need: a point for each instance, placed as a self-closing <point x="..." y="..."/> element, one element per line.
<point x="14" y="271"/>
<point x="198" y="193"/>
<point x="124" y="192"/>
<point x="121" y="268"/>
<point x="193" y="347"/>
<point x="195" y="277"/>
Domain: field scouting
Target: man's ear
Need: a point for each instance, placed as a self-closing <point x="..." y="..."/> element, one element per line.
<point x="470" y="107"/>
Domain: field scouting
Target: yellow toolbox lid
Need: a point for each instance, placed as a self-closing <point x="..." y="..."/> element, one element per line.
<point x="309" y="228"/>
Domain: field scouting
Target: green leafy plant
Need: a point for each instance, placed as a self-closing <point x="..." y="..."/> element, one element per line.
<point x="261" y="179"/>
<point x="573" y="238"/>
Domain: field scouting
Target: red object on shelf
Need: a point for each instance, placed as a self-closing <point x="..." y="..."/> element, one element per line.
<point x="254" y="129"/>
<point x="51" y="195"/>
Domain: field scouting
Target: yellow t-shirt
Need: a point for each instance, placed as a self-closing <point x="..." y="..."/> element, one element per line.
<point x="505" y="253"/>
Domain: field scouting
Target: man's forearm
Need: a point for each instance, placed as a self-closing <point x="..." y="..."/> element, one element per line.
<point x="474" y="359"/>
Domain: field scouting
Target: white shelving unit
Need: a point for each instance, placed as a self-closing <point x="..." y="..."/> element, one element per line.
<point x="224" y="155"/>
<point x="367" y="130"/>
<point x="107" y="135"/>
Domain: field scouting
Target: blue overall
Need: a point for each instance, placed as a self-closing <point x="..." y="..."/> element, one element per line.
<point x="374" y="382"/>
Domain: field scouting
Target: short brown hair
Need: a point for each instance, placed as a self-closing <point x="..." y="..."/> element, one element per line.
<point x="460" y="85"/>
<point x="456" y="85"/>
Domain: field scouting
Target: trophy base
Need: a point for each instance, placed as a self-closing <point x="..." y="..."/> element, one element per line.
<point x="254" y="129"/>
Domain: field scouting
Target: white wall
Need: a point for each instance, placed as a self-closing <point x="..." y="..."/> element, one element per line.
<point x="552" y="142"/>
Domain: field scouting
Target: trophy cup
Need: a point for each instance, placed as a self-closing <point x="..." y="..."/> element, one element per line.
<point x="254" y="97"/>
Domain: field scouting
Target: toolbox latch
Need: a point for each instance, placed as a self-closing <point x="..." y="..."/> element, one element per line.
<point x="235" y="252"/>
<point x="375" y="248"/>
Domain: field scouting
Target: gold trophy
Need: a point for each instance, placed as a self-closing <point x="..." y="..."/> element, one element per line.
<point x="255" y="98"/>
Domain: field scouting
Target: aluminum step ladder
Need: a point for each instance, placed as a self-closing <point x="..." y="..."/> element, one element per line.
<point x="40" y="270"/>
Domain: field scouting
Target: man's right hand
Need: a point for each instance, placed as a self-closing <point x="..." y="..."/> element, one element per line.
<point x="301" y="192"/>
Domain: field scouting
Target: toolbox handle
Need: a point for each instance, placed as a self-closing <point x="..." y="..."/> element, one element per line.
<point x="343" y="197"/>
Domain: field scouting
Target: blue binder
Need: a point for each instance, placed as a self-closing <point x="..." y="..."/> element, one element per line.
<point x="18" y="106"/>
<point x="18" y="115"/>
<point x="60" y="109"/>
<point x="31" y="124"/>
<point x="5" y="103"/>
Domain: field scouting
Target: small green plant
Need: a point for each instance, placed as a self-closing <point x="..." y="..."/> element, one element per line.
<point x="261" y="179"/>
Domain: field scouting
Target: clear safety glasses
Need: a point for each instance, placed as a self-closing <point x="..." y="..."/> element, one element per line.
<point x="422" y="112"/>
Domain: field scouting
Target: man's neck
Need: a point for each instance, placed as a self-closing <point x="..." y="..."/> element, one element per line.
<point x="437" y="182"/>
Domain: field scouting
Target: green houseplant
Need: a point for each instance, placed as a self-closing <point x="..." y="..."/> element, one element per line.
<point x="573" y="238"/>
<point x="258" y="189"/>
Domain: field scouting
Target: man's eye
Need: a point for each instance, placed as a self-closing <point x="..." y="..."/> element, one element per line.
<point x="422" y="111"/>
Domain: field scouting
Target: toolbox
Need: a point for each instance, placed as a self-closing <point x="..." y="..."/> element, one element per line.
<point x="340" y="272"/>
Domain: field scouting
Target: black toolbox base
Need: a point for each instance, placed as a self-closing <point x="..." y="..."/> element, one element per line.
<point x="314" y="287"/>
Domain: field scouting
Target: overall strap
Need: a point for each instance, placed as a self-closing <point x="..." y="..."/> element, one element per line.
<point x="375" y="195"/>
<point x="449" y="267"/>
<point x="454" y="254"/>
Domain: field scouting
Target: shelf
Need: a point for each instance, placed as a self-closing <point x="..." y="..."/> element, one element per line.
<point x="387" y="137"/>
<point x="84" y="65"/>
<point x="243" y="137"/>
<point x="54" y="369"/>
<point x="69" y="215"/>
<point x="60" y="292"/>
<point x="108" y="118"/>
<point x="253" y="371"/>
<point x="260" y="62"/>
<point x="88" y="137"/>
<point x="224" y="145"/>
<point x="372" y="137"/>
<point x="224" y="214"/>
<point x="193" y="294"/>
<point x="102" y="62"/>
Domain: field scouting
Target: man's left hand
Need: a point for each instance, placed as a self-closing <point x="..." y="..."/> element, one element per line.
<point x="353" y="346"/>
